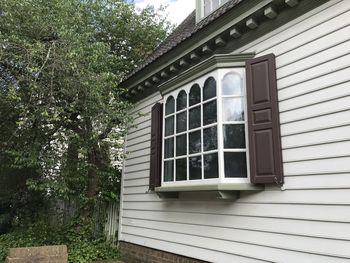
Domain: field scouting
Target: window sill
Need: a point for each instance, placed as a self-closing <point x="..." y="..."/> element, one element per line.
<point x="223" y="191"/>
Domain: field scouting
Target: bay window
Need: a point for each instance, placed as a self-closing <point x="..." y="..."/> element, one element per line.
<point x="204" y="133"/>
<point x="219" y="130"/>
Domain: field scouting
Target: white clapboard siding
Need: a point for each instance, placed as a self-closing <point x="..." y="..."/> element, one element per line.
<point x="324" y="230"/>
<point x="323" y="151"/>
<point x="140" y="126"/>
<point x="333" y="51"/>
<point x="136" y="175"/>
<point x="138" y="133"/>
<point x="300" y="25"/>
<point x="313" y="213"/>
<point x="245" y="249"/>
<point x="137" y="160"/>
<point x="335" y="134"/>
<point x="141" y="118"/>
<point x="139" y="153"/>
<point x="138" y="140"/>
<point x="322" y="166"/>
<point x="299" y="196"/>
<point x="302" y="48"/>
<point x="146" y="104"/>
<point x="318" y="181"/>
<point x="316" y="71"/>
<point x="138" y="182"/>
<point x="139" y="146"/>
<point x="318" y="123"/>
<point x="313" y="85"/>
<point x="330" y="247"/>
<point x="325" y="108"/>
<point x="137" y="167"/>
<point x="305" y="220"/>
<point x="333" y="92"/>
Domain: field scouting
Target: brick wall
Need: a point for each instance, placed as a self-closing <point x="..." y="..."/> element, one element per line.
<point x="132" y="253"/>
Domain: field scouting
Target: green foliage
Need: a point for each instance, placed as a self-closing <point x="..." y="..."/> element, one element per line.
<point x="62" y="113"/>
<point x="82" y="246"/>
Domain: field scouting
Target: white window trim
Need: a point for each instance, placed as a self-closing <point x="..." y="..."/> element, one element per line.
<point x="218" y="75"/>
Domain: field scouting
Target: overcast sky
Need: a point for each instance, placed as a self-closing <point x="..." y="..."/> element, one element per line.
<point x="177" y="10"/>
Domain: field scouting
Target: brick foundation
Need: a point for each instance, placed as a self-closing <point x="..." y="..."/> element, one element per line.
<point x="132" y="253"/>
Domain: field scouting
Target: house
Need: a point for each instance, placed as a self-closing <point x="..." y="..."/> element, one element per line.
<point x="241" y="150"/>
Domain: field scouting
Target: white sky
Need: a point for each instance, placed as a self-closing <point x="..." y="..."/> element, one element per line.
<point x="177" y="10"/>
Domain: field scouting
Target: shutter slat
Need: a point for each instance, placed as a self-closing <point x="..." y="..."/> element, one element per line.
<point x="263" y="121"/>
<point x="156" y="146"/>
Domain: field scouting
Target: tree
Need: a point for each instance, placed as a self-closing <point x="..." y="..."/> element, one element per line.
<point x="60" y="107"/>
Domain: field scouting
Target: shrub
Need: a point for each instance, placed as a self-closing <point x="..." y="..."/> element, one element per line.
<point x="82" y="246"/>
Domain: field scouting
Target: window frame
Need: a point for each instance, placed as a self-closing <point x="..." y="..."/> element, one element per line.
<point x="218" y="74"/>
<point x="200" y="8"/>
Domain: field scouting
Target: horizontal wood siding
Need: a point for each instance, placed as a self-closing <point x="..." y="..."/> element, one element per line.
<point x="306" y="220"/>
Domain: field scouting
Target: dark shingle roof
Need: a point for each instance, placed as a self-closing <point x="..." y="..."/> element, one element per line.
<point x="185" y="30"/>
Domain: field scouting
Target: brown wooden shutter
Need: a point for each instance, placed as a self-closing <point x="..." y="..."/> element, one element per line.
<point x="156" y="146"/>
<point x="263" y="121"/>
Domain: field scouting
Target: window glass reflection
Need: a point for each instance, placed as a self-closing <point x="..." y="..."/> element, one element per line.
<point x="169" y="126"/>
<point x="235" y="164"/>
<point x="234" y="136"/>
<point x="210" y="138"/>
<point x="209" y="89"/>
<point x="169" y="148"/>
<point x="195" y="117"/>
<point x="181" y="101"/>
<point x="181" y="145"/>
<point x="169" y="171"/>
<point x="194" y="142"/>
<point x="195" y="95"/>
<point x="195" y="167"/>
<point x="232" y="84"/>
<point x="181" y="122"/>
<point x="211" y="169"/>
<point x="207" y="7"/>
<point x="209" y="112"/>
<point x="170" y="105"/>
<point x="232" y="109"/>
<point x="181" y="169"/>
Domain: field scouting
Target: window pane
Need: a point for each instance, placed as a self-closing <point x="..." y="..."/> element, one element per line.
<point x="181" y="101"/>
<point x="195" y="168"/>
<point x="194" y="142"/>
<point x="234" y="136"/>
<point x="232" y="84"/>
<point x="181" y="169"/>
<point x="209" y="90"/>
<point x="169" y="126"/>
<point x="207" y="7"/>
<point x="210" y="141"/>
<point x="181" y="145"/>
<point x="169" y="148"/>
<point x="232" y="109"/>
<point x="211" y="169"/>
<point x="195" y="95"/>
<point x="170" y="105"/>
<point x="181" y="122"/>
<point x="195" y="117"/>
<point x="169" y="171"/>
<point x="215" y="4"/>
<point x="235" y="164"/>
<point x="209" y="112"/>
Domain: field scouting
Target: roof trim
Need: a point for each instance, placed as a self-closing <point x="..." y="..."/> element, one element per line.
<point x="185" y="30"/>
<point x="222" y="36"/>
<point x="208" y="65"/>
